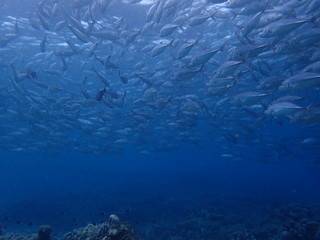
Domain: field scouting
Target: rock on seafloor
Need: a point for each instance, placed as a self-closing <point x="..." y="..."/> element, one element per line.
<point x="113" y="229"/>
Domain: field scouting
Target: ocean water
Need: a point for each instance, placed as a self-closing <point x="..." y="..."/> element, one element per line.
<point x="188" y="193"/>
<point x="104" y="110"/>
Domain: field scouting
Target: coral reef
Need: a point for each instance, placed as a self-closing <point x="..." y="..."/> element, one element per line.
<point x="301" y="230"/>
<point x="44" y="233"/>
<point x="243" y="235"/>
<point x="113" y="229"/>
<point x="286" y="222"/>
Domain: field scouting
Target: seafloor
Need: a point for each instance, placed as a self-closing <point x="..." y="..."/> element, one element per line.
<point x="112" y="229"/>
<point x="215" y="217"/>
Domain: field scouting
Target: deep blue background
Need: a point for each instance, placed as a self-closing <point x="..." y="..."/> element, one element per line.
<point x="72" y="190"/>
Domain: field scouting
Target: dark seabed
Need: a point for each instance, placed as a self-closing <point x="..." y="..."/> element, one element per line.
<point x="187" y="119"/>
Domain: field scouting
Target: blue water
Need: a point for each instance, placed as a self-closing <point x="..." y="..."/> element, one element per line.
<point x="159" y="152"/>
<point x="158" y="191"/>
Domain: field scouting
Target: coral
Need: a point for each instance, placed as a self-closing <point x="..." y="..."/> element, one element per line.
<point x="44" y="233"/>
<point x="111" y="230"/>
<point x="18" y="237"/>
<point x="300" y="230"/>
<point x="243" y="235"/>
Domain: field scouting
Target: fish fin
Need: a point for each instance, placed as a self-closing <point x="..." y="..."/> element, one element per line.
<point x="309" y="106"/>
<point x="198" y="39"/>
<point x="266" y="6"/>
<point x="171" y="42"/>
<point x="173" y="57"/>
<point x="222" y="48"/>
<point x="234" y="15"/>
<point x="307" y="95"/>
<point x="182" y="29"/>
<point x="314" y="20"/>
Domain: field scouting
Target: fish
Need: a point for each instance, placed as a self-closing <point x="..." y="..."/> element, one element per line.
<point x="282" y="27"/>
<point x="248" y="98"/>
<point x="60" y="25"/>
<point x="43" y="21"/>
<point x="123" y="78"/>
<point x="160" y="48"/>
<point x="271" y="82"/>
<point x="185" y="49"/>
<point x="106" y="34"/>
<point x="300" y="81"/>
<point x="186" y="74"/>
<point x="78" y="34"/>
<point x="170" y="3"/>
<point x="173" y="72"/>
<point x="33" y="22"/>
<point x="307" y="116"/>
<point x="202" y="57"/>
<point x="101" y="76"/>
<point x="168" y="29"/>
<point x="216" y="1"/>
<point x="314" y="67"/>
<point x="100" y="94"/>
<point x="131" y="37"/>
<point x="151" y="11"/>
<point x="301" y="41"/>
<point x="198" y="20"/>
<point x="216" y="82"/>
<point x="282" y="109"/>
<point x="248" y="51"/>
<point x="227" y="69"/>
<point x="43" y="44"/>
<point x="267" y="18"/>
<point x="72" y="46"/>
<point x="236" y="3"/>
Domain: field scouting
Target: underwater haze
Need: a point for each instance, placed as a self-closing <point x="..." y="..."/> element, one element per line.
<point x="188" y="119"/>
